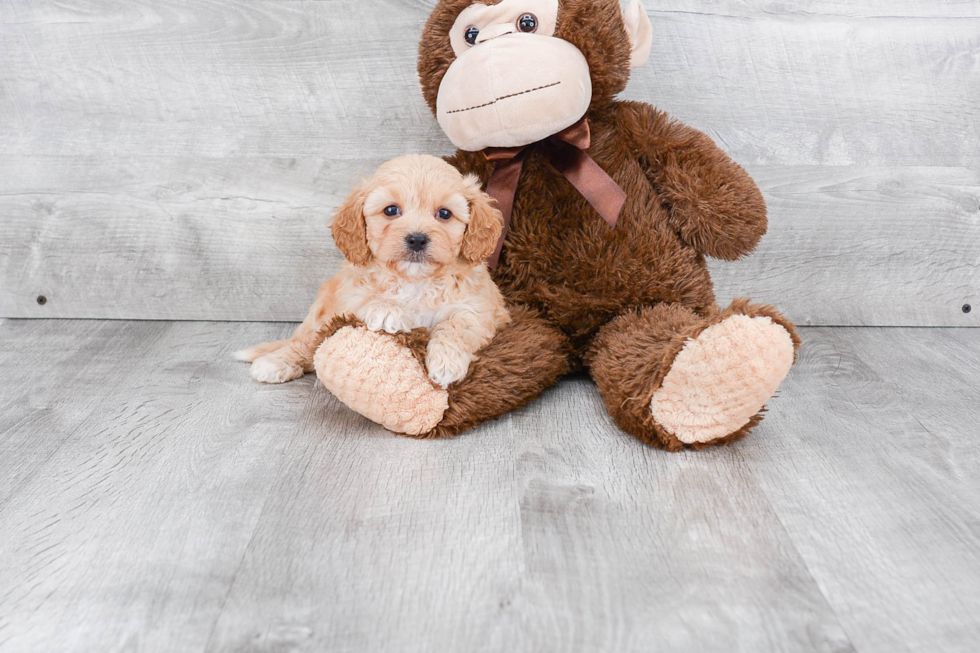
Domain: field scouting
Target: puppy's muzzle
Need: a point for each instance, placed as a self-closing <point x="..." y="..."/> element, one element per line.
<point x="416" y="242"/>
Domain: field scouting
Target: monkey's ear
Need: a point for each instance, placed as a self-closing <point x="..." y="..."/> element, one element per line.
<point x="485" y="225"/>
<point x="640" y="32"/>
<point x="349" y="230"/>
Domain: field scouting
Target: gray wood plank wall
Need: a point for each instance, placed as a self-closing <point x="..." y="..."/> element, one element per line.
<point x="178" y="160"/>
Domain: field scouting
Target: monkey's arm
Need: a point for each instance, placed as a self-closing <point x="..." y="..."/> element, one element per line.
<point x="714" y="204"/>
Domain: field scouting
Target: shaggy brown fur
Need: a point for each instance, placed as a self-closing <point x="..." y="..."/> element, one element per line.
<point x="523" y="359"/>
<point x="620" y="302"/>
<point x="631" y="355"/>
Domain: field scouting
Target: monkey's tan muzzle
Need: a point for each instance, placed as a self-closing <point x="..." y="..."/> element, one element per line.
<point x="513" y="90"/>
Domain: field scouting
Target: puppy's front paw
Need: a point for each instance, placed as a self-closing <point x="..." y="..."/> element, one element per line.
<point x="387" y="318"/>
<point x="446" y="365"/>
<point x="275" y="369"/>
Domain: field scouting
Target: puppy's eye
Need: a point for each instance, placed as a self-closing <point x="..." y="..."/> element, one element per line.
<point x="527" y="23"/>
<point x="392" y="211"/>
<point x="444" y="214"/>
<point x="470" y="34"/>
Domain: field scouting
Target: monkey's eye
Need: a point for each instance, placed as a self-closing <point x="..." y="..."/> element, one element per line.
<point x="527" y="23"/>
<point x="444" y="214"/>
<point x="392" y="211"/>
<point x="470" y="34"/>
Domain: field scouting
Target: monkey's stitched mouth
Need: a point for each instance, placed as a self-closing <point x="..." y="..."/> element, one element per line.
<point x="504" y="97"/>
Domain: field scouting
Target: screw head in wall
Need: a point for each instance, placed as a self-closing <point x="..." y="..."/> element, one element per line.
<point x="42" y="300"/>
<point x="967" y="308"/>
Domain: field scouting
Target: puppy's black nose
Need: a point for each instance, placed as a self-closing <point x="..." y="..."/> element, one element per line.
<point x="416" y="241"/>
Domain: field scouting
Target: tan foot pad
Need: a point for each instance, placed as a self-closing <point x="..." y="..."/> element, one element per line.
<point x="722" y="378"/>
<point x="379" y="378"/>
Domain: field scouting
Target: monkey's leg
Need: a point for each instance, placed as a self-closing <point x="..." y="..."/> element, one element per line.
<point x="383" y="377"/>
<point x="675" y="379"/>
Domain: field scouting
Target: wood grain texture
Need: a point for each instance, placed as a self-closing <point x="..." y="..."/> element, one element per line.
<point x="546" y="530"/>
<point x="856" y="246"/>
<point x="821" y="8"/>
<point x="246" y="238"/>
<point x="876" y="477"/>
<point x="36" y="420"/>
<point x="139" y="465"/>
<point x="159" y="501"/>
<point x="176" y="159"/>
<point x="865" y="83"/>
<point x="835" y="85"/>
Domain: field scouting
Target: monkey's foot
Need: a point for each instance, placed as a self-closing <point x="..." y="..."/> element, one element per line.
<point x="381" y="378"/>
<point x="722" y="378"/>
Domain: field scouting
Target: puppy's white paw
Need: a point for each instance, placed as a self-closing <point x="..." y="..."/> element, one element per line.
<point x="446" y="365"/>
<point x="385" y="317"/>
<point x="274" y="369"/>
<point x="397" y="322"/>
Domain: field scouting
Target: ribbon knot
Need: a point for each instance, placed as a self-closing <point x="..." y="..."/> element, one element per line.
<point x="566" y="152"/>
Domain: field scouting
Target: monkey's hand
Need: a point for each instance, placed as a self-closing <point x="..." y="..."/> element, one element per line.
<point x="714" y="204"/>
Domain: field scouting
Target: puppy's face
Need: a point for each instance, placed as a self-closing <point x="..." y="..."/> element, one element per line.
<point x="416" y="214"/>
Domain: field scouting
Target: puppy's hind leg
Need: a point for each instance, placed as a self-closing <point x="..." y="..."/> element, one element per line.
<point x="285" y="360"/>
<point x="250" y="354"/>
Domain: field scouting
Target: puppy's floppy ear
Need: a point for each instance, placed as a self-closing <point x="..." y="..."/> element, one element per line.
<point x="349" y="230"/>
<point x="485" y="225"/>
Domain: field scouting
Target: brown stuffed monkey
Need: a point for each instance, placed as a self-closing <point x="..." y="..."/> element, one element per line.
<point x="612" y="208"/>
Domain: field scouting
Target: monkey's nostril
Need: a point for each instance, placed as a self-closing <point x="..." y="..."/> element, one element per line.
<point x="416" y="241"/>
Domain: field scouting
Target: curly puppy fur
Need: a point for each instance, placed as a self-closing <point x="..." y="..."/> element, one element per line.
<point x="415" y="236"/>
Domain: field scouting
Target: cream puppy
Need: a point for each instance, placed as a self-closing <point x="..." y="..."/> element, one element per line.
<point x="415" y="236"/>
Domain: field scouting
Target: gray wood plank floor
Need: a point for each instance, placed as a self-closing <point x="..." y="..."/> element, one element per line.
<point x="154" y="498"/>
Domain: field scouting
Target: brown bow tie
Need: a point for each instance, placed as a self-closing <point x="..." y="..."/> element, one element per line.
<point x="566" y="152"/>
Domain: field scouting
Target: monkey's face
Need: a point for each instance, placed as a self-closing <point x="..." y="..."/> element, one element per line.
<point x="512" y="82"/>
<point x="506" y="73"/>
